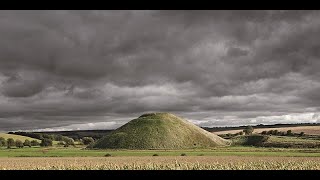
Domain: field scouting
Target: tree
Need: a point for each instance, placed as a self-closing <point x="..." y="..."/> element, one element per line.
<point x="38" y="136"/>
<point x="87" y="140"/>
<point x="46" y="142"/>
<point x="10" y="143"/>
<point x="248" y="130"/>
<point x="59" y="137"/>
<point x="289" y="133"/>
<point x="27" y="143"/>
<point x="68" y="141"/>
<point x="34" y="143"/>
<point x="48" y="136"/>
<point x="19" y="144"/>
<point x="2" y="142"/>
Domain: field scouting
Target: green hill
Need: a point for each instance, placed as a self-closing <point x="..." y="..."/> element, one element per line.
<point x="159" y="131"/>
<point x="17" y="137"/>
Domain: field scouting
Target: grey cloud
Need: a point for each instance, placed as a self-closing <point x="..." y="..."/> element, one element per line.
<point x="59" y="68"/>
<point x="15" y="86"/>
<point x="235" y="51"/>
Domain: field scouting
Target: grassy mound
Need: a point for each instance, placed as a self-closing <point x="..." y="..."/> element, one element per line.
<point x="17" y="137"/>
<point x="159" y="131"/>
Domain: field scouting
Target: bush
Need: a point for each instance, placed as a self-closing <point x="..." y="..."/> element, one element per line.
<point x="201" y="154"/>
<point x="248" y="130"/>
<point x="68" y="141"/>
<point x="183" y="154"/>
<point x="2" y="142"/>
<point x="301" y="134"/>
<point x="107" y="155"/>
<point x="155" y="155"/>
<point x="48" y="136"/>
<point x="289" y="133"/>
<point x="46" y="142"/>
<point x="10" y="142"/>
<point x="264" y="132"/>
<point x="19" y="144"/>
<point x="87" y="140"/>
<point x="253" y="140"/>
<point x="34" y="143"/>
<point x="27" y="143"/>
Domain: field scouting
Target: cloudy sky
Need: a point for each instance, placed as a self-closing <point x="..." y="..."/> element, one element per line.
<point x="99" y="69"/>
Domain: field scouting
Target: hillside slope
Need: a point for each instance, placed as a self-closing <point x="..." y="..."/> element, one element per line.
<point x="159" y="131"/>
<point x="17" y="137"/>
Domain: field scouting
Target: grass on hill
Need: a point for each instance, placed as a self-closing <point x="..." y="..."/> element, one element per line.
<point x="159" y="131"/>
<point x="17" y="137"/>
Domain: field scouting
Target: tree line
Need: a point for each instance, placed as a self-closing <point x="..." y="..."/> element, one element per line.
<point x="45" y="141"/>
<point x="10" y="142"/>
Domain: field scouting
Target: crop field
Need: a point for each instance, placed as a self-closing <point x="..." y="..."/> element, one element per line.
<point x="162" y="163"/>
<point x="312" y="130"/>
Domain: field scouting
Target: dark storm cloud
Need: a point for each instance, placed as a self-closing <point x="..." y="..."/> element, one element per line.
<point x="63" y="68"/>
<point x="17" y="87"/>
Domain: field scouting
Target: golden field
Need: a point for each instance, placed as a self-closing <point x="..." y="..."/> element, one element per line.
<point x="162" y="163"/>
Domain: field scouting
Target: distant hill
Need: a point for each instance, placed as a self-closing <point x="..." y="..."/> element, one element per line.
<point x="259" y="126"/>
<point x="310" y="130"/>
<point x="96" y="134"/>
<point x="159" y="131"/>
<point x="17" y="137"/>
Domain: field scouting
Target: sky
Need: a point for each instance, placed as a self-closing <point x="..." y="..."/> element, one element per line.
<point x="74" y="70"/>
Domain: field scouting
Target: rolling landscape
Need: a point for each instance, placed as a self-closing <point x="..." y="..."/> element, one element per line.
<point x="165" y="141"/>
<point x="159" y="90"/>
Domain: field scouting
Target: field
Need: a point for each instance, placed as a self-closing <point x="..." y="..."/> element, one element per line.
<point x="17" y="137"/>
<point x="163" y="163"/>
<point x="223" y="151"/>
<point x="238" y="156"/>
<point x="311" y="130"/>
